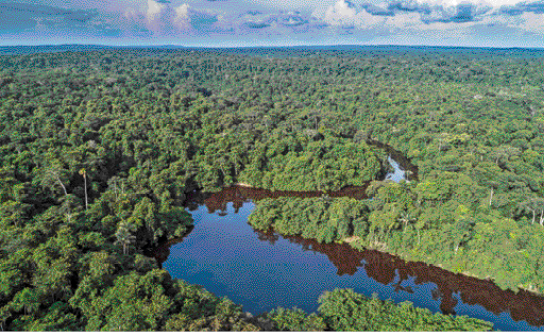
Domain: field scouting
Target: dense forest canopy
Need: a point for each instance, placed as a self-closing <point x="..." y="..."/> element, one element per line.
<point x="98" y="151"/>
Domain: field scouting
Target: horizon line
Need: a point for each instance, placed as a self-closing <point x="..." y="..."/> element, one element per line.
<point x="271" y="46"/>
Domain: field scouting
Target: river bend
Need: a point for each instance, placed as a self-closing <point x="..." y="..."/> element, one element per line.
<point x="262" y="271"/>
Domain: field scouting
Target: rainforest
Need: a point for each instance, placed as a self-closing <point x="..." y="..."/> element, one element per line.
<point x="214" y="189"/>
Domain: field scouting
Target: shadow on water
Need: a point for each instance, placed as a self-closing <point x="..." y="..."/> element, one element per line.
<point x="449" y="291"/>
<point x="225" y="255"/>
<point x="238" y="195"/>
<point x="388" y="269"/>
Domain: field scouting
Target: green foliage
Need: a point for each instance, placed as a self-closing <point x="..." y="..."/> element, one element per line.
<point x="296" y="320"/>
<point x="299" y="163"/>
<point x="324" y="219"/>
<point x="344" y="310"/>
<point x="148" y="127"/>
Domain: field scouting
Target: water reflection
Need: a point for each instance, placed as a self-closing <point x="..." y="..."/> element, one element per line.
<point x="238" y="195"/>
<point x="229" y="258"/>
<point x="453" y="293"/>
<point x="398" y="174"/>
<point x="402" y="167"/>
<point x="388" y="269"/>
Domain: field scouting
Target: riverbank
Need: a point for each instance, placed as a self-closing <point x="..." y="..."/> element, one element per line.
<point x="242" y="192"/>
<point x="346" y="219"/>
<point x="357" y="244"/>
<point x="248" y="257"/>
<point x="360" y="193"/>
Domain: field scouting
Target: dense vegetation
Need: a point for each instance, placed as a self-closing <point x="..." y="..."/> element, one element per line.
<point x="323" y="219"/>
<point x="344" y="310"/>
<point x="98" y="151"/>
<point x="293" y="163"/>
<point x="394" y="220"/>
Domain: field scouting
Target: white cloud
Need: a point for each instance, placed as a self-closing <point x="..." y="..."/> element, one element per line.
<point x="452" y="3"/>
<point x="155" y="16"/>
<point x="404" y="21"/>
<point x="345" y="14"/>
<point x="340" y="11"/>
<point x="405" y="27"/>
<point x="533" y="22"/>
<point x="154" y="9"/>
<point x="311" y="21"/>
<point x="182" y="21"/>
<point x="525" y="22"/>
<point x="160" y="18"/>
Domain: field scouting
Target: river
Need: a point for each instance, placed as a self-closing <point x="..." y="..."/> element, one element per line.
<point x="262" y="271"/>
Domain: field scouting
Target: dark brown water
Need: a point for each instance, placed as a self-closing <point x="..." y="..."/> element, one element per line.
<point x="262" y="271"/>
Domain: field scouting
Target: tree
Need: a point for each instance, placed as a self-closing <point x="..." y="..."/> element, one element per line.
<point x="84" y="173"/>
<point x="54" y="174"/>
<point x="124" y="235"/>
<point x="405" y="218"/>
<point x="534" y="205"/>
<point x="28" y="300"/>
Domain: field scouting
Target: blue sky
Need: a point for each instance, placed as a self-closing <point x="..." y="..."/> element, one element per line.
<point x="490" y="23"/>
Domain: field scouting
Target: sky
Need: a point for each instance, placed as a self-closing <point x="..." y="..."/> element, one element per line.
<point x="236" y="23"/>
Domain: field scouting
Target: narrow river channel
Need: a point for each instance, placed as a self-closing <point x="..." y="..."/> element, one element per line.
<point x="263" y="271"/>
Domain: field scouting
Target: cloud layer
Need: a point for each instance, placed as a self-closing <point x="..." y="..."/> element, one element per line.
<point x="245" y="23"/>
